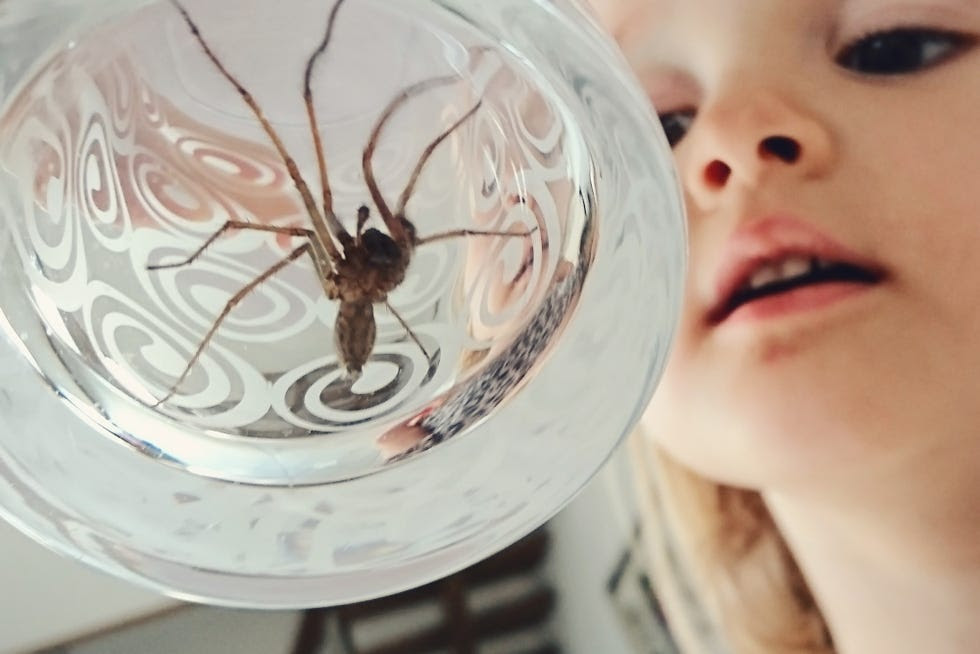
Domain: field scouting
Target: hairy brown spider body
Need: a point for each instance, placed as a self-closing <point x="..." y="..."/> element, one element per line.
<point x="372" y="268"/>
<point x="373" y="265"/>
<point x="358" y="270"/>
<point x="353" y="335"/>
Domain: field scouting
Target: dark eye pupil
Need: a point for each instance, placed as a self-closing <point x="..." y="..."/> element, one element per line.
<point x="889" y="53"/>
<point x="676" y="124"/>
<point x="899" y="51"/>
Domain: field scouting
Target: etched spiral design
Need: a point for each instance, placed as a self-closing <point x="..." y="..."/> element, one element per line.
<point x="124" y="178"/>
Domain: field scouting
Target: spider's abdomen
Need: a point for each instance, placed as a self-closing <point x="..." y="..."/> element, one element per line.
<point x="353" y="335"/>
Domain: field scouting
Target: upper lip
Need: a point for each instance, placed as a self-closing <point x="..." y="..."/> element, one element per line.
<point x="772" y="239"/>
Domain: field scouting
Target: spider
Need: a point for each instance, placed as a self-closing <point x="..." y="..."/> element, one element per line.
<point x="360" y="269"/>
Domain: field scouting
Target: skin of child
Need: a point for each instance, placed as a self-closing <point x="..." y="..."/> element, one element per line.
<point x="842" y="131"/>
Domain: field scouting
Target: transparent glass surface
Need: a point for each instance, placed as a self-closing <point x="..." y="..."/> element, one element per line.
<point x="200" y="427"/>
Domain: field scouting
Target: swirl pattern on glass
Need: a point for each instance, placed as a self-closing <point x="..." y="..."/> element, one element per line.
<point x="122" y="175"/>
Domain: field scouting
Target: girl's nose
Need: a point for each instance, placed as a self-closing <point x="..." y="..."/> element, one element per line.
<point x="748" y="136"/>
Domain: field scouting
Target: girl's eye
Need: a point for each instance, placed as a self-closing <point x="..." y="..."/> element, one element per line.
<point x="902" y="50"/>
<point x="676" y="124"/>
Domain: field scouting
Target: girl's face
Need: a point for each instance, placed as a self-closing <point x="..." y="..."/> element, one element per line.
<point x="830" y="156"/>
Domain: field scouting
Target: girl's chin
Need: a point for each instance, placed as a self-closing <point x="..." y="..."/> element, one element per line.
<point x="764" y="450"/>
<point x="757" y="426"/>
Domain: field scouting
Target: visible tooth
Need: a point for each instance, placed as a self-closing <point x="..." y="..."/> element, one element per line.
<point x="764" y="275"/>
<point x="794" y="267"/>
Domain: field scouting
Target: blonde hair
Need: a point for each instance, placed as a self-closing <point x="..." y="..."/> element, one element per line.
<point x="722" y="570"/>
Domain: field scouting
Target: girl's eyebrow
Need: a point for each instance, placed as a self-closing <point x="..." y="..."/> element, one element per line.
<point x="857" y="9"/>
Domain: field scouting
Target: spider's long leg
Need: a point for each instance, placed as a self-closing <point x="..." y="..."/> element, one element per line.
<point x="424" y="158"/>
<point x="453" y="233"/>
<point x="235" y="299"/>
<point x="408" y="330"/>
<point x="394" y="225"/>
<point x="233" y="224"/>
<point x="294" y="174"/>
<point x="333" y="223"/>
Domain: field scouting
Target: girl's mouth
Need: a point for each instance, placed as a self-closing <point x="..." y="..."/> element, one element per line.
<point x="779" y="264"/>
<point x="778" y="278"/>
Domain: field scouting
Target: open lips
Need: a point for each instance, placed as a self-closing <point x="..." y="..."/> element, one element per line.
<point x="769" y="277"/>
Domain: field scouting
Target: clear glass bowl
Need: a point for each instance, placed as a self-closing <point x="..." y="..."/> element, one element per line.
<point x="505" y="368"/>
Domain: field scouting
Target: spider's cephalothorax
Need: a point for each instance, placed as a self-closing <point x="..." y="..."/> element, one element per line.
<point x="366" y="266"/>
<point x="373" y="264"/>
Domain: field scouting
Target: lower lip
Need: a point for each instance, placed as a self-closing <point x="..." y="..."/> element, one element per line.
<point x="805" y="298"/>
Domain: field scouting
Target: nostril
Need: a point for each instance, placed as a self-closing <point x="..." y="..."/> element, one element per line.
<point x="782" y="147"/>
<point x="717" y="173"/>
